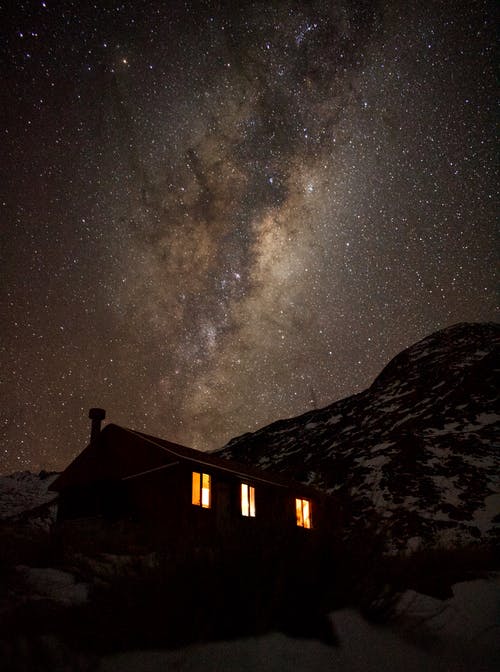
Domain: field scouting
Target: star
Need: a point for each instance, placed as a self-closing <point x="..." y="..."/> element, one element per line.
<point x="207" y="212"/>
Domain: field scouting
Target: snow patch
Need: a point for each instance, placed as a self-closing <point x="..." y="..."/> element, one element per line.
<point x="450" y="427"/>
<point x="382" y="446"/>
<point x="377" y="461"/>
<point x="414" y="544"/>
<point x="459" y="634"/>
<point x="23" y="491"/>
<point x="410" y="416"/>
<point x="333" y="420"/>
<point x="484" y="517"/>
<point x="54" y="584"/>
<point x="449" y="492"/>
<point x="487" y="418"/>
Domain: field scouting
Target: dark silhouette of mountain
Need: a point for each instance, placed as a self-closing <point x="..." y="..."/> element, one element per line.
<point x="418" y="450"/>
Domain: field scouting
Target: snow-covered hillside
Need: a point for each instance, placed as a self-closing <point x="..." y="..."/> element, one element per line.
<point x="421" y="446"/>
<point x="23" y="491"/>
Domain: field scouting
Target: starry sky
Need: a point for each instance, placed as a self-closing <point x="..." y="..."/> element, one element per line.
<point x="218" y="214"/>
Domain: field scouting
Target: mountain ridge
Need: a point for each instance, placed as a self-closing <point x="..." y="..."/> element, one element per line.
<point x="419" y="446"/>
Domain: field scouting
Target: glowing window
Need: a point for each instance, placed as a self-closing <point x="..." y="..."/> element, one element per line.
<point x="303" y="512"/>
<point x="247" y="500"/>
<point x="201" y="490"/>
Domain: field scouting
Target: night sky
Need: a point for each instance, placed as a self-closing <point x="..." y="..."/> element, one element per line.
<point x="218" y="214"/>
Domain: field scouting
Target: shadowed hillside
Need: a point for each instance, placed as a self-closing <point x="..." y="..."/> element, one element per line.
<point x="419" y="449"/>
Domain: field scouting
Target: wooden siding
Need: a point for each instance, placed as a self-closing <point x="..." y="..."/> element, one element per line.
<point x="141" y="498"/>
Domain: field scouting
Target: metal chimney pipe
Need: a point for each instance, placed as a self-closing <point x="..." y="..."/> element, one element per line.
<point x="97" y="415"/>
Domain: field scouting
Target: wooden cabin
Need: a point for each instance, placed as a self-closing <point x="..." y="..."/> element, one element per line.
<point x="130" y="492"/>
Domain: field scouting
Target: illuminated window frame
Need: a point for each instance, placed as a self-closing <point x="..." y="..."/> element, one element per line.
<point x="303" y="511"/>
<point x="247" y="500"/>
<point x="201" y="493"/>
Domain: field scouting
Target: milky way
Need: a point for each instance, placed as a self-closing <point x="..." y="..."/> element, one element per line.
<point x="216" y="215"/>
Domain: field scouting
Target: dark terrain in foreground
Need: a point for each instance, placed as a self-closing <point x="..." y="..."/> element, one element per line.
<point x="413" y="462"/>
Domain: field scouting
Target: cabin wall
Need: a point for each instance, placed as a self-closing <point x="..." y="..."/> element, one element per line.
<point x="154" y="512"/>
<point x="220" y="535"/>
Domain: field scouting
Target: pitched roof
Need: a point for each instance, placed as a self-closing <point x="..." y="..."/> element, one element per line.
<point x="121" y="453"/>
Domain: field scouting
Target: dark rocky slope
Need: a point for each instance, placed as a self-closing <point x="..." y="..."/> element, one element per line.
<point x="419" y="448"/>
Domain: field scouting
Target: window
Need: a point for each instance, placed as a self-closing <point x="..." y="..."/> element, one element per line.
<point x="303" y="512"/>
<point x="247" y="500"/>
<point x="201" y="490"/>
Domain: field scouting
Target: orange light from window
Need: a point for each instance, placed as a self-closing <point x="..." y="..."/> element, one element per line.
<point x="205" y="491"/>
<point x="306" y="512"/>
<point x="201" y="490"/>
<point x="196" y="489"/>
<point x="247" y="500"/>
<point x="303" y="512"/>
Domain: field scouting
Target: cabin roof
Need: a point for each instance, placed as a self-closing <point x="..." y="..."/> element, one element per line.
<point x="120" y="453"/>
